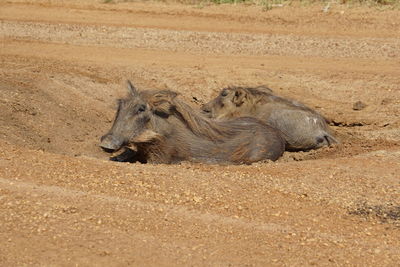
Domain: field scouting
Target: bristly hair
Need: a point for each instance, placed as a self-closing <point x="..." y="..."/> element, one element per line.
<point x="200" y="125"/>
<point x="260" y="93"/>
<point x="166" y="102"/>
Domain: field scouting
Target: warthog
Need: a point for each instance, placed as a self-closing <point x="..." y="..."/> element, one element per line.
<point x="160" y="128"/>
<point x="301" y="127"/>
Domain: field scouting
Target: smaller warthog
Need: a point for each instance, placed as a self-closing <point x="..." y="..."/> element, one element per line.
<point x="160" y="128"/>
<point x="302" y="127"/>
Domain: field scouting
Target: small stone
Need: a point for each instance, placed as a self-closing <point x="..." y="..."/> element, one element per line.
<point x="197" y="199"/>
<point x="359" y="105"/>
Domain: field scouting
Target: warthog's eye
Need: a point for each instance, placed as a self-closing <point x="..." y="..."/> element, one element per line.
<point x="224" y="93"/>
<point x="141" y="108"/>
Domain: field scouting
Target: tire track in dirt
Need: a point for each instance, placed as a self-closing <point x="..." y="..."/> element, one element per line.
<point x="203" y="42"/>
<point x="125" y="57"/>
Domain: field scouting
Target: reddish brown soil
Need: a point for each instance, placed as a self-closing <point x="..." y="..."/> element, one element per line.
<point x="63" y="65"/>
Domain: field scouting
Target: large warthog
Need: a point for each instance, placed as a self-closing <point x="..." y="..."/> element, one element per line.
<point x="160" y="128"/>
<point x="301" y="127"/>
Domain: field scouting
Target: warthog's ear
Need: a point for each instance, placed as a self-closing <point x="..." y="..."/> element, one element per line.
<point x="132" y="89"/>
<point x="239" y="96"/>
<point x="161" y="102"/>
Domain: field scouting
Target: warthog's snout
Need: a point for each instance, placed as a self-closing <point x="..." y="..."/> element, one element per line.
<point x="110" y="143"/>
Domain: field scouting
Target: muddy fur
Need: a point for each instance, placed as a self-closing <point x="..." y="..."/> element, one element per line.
<point x="302" y="127"/>
<point x="161" y="128"/>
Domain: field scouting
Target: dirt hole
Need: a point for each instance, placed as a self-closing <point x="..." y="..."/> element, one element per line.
<point x="67" y="114"/>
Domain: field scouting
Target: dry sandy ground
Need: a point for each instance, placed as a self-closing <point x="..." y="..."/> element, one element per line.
<point x="63" y="65"/>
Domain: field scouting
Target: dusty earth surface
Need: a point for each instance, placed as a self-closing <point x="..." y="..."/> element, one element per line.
<point x="62" y="202"/>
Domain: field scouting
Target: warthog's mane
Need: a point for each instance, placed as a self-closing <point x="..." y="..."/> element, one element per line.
<point x="200" y="125"/>
<point x="166" y="101"/>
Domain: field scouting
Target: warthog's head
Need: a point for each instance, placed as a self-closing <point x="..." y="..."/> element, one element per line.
<point x="232" y="102"/>
<point x="133" y="121"/>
